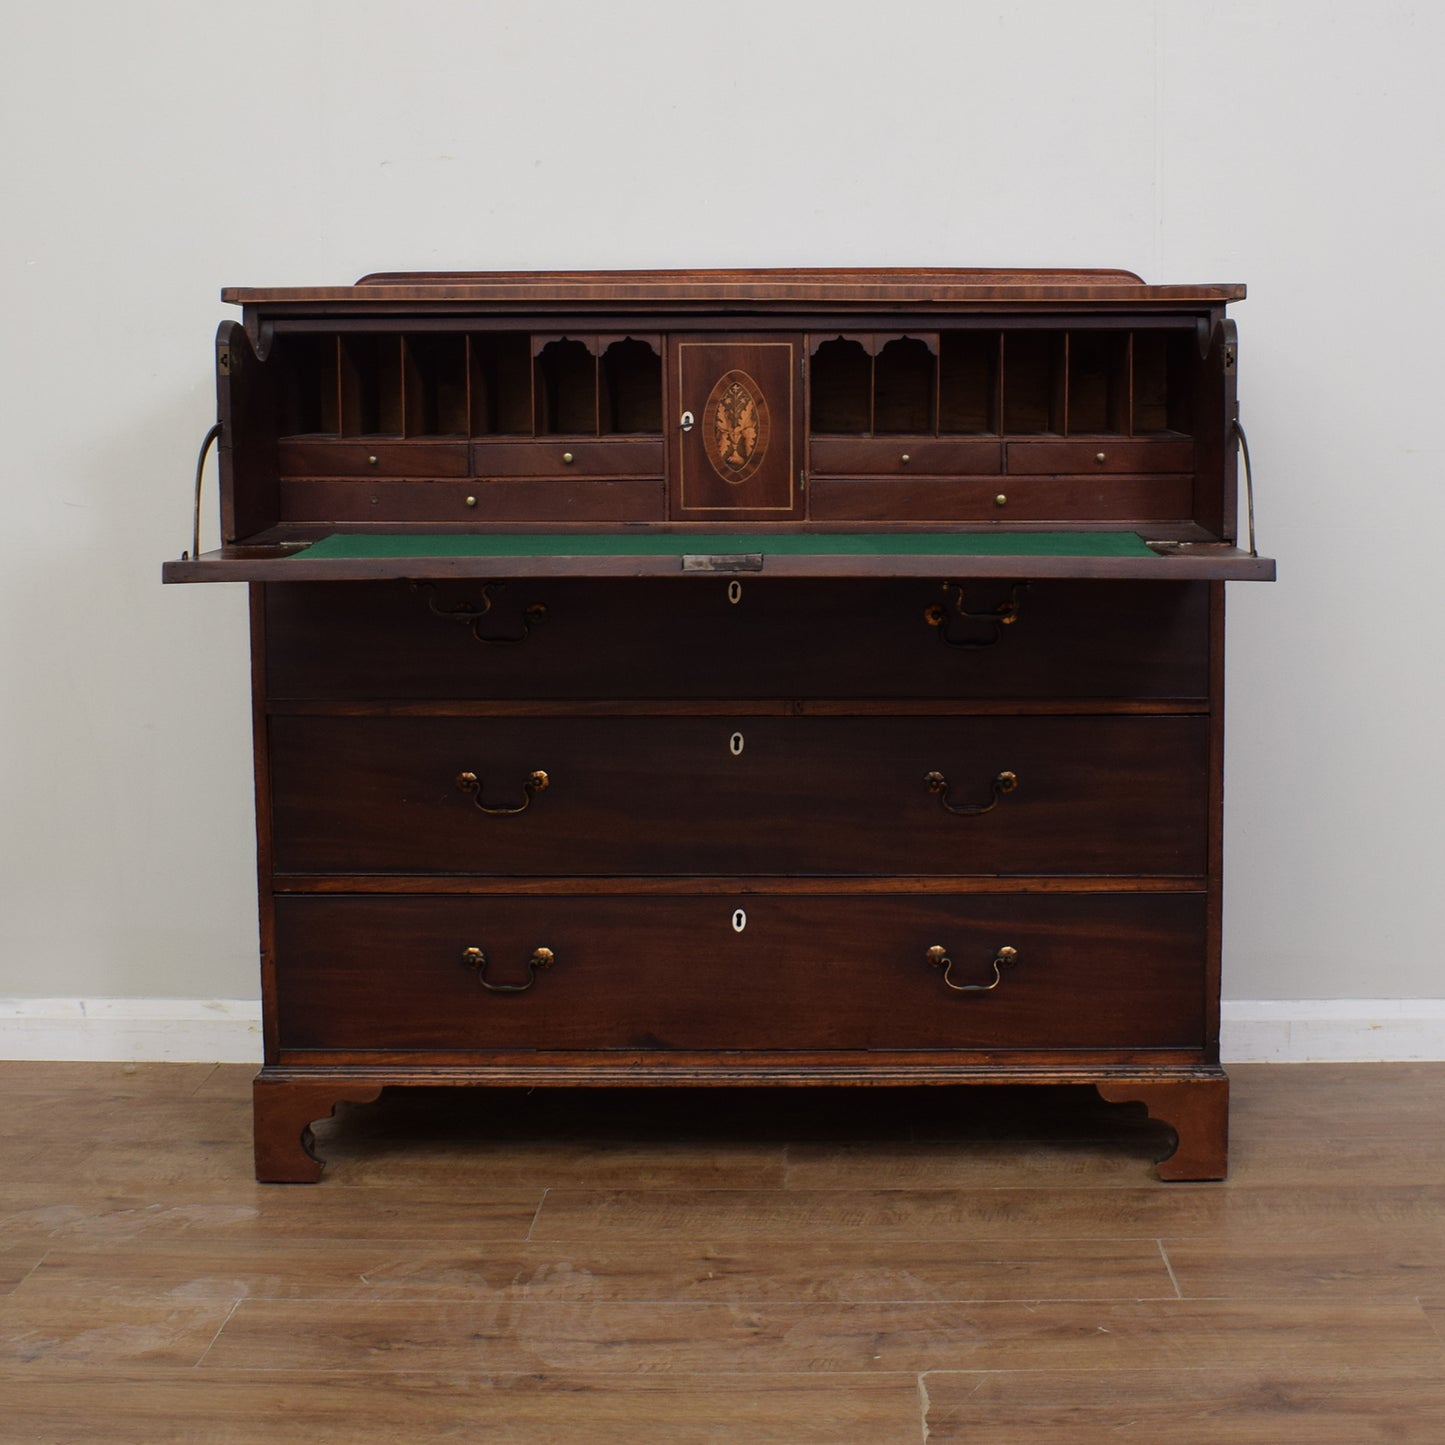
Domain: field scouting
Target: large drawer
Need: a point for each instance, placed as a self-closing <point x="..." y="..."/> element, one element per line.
<point x="1105" y="971"/>
<point x="725" y="795"/>
<point x="688" y="638"/>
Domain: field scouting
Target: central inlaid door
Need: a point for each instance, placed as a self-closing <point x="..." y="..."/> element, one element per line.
<point x="736" y="452"/>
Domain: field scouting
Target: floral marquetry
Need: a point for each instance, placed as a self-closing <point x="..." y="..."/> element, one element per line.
<point x="736" y="420"/>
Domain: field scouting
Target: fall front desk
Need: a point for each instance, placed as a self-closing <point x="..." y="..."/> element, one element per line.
<point x="735" y="678"/>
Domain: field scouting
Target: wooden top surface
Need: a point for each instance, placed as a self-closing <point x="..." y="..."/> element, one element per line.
<point x="772" y="289"/>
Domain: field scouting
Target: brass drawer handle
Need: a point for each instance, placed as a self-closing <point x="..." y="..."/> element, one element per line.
<point x="466" y="613"/>
<point x="1004" y="615"/>
<point x="474" y="958"/>
<point x="1006" y="957"/>
<point x="1004" y="782"/>
<point x="470" y="783"/>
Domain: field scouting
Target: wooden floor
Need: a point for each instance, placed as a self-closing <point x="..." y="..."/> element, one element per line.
<point x="753" y="1266"/>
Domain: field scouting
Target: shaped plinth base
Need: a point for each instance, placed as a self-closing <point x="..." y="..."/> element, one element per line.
<point x="284" y="1111"/>
<point x="1198" y="1112"/>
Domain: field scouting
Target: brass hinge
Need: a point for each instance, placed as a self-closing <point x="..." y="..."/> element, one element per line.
<point x="223" y="360"/>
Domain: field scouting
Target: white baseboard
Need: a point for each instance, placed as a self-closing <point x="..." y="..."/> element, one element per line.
<point x="150" y="1030"/>
<point x="228" y="1030"/>
<point x="1335" y="1030"/>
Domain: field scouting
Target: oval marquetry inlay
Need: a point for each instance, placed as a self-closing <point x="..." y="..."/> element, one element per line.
<point x="735" y="427"/>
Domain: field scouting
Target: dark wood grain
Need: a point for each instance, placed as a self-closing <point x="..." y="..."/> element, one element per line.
<point x="1198" y="1112"/>
<point x="801" y="795"/>
<point x="548" y="458"/>
<point x="296" y="457"/>
<point x="902" y="457"/>
<point x="711" y="289"/>
<point x="1092" y="972"/>
<point x="1039" y="499"/>
<point x="1097" y="456"/>
<point x="246" y="408"/>
<point x="749" y="388"/>
<point x="782" y="639"/>
<point x="455" y="504"/>
<point x="283" y="1118"/>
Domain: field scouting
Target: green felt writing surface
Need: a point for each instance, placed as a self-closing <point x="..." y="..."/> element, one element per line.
<point x="355" y="545"/>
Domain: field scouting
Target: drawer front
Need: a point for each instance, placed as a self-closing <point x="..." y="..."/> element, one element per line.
<point x="1099" y="454"/>
<point x="687" y="638"/>
<point x="1064" y="502"/>
<point x="740" y="795"/>
<point x="325" y="458"/>
<point x="1105" y="971"/>
<point x="904" y="456"/>
<point x="560" y="457"/>
<point x="469" y="502"/>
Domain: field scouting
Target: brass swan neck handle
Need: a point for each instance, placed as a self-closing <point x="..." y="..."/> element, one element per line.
<point x="471" y="615"/>
<point x="1006" y="957"/>
<point x="476" y="959"/>
<point x="1004" y="782"/>
<point x="989" y="624"/>
<point x="536" y="782"/>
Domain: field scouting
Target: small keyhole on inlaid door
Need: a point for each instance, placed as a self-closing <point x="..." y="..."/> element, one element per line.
<point x="735" y="745"/>
<point x="740" y="921"/>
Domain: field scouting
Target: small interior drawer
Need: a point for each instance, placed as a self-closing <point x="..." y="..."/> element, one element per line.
<point x="370" y="458"/>
<point x="904" y="456"/>
<point x="563" y="457"/>
<point x="1104" y="454"/>
<point x="470" y="502"/>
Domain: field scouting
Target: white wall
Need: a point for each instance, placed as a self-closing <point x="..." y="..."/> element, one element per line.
<point x="155" y="151"/>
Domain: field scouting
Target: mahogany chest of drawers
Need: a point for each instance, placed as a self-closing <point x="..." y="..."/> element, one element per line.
<point x="723" y="678"/>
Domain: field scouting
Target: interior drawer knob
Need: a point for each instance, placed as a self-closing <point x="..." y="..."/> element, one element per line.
<point x="471" y="784"/>
<point x="476" y="959"/>
<point x="1004" y="782"/>
<point x="1006" y="957"/>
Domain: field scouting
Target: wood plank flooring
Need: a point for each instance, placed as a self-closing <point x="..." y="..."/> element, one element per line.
<point x="743" y="1266"/>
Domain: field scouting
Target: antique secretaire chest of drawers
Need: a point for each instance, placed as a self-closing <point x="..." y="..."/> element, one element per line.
<point x="737" y="677"/>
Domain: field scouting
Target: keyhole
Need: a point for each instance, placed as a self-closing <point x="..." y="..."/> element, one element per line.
<point x="740" y="921"/>
<point x="735" y="592"/>
<point x="735" y="745"/>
